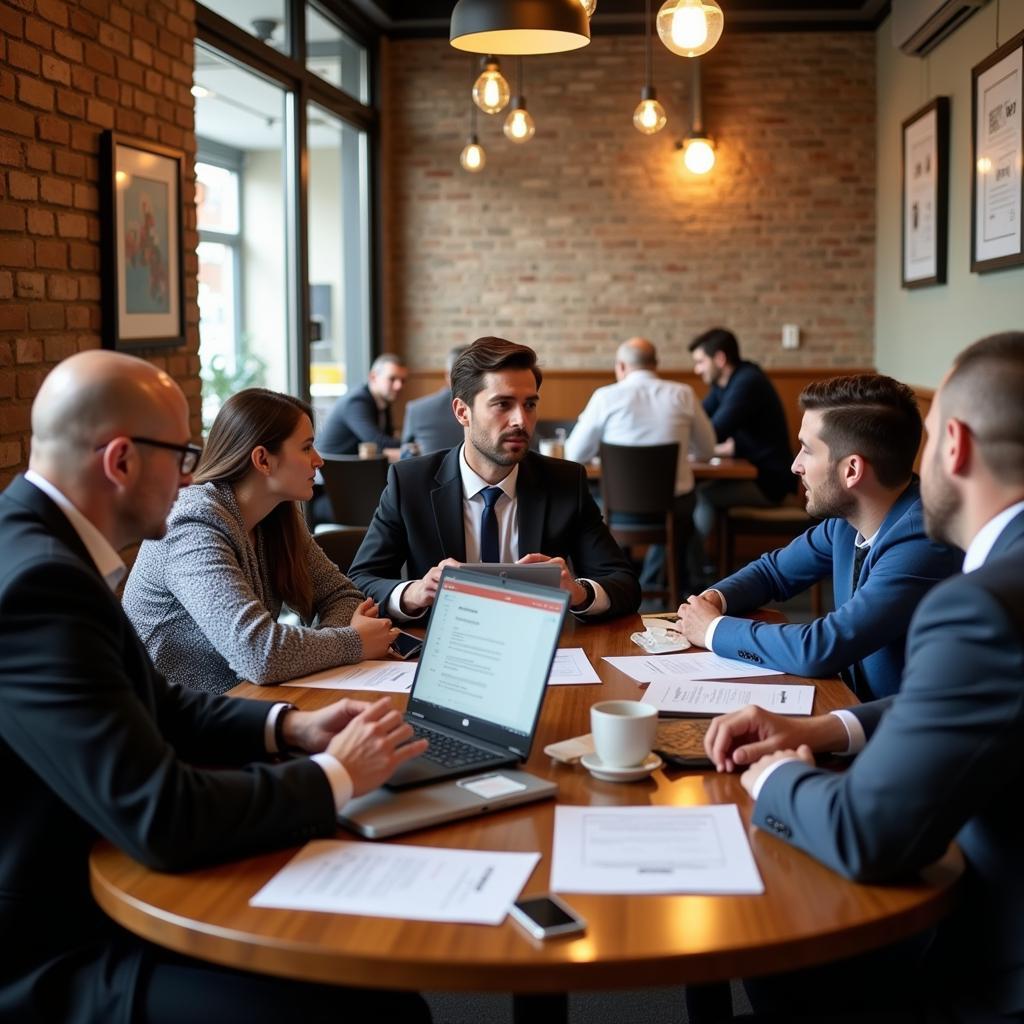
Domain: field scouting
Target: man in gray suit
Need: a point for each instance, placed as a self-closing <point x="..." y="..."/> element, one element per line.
<point x="941" y="760"/>
<point x="430" y="423"/>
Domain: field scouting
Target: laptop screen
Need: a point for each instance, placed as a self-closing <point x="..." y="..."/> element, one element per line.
<point x="488" y="652"/>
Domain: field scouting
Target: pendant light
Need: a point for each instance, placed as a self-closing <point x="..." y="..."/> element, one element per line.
<point x="519" y="26"/>
<point x="589" y="6"/>
<point x="472" y="156"/>
<point x="649" y="117"/>
<point x="490" y="90"/>
<point x="690" y="27"/>
<point x="698" y="147"/>
<point x="519" y="125"/>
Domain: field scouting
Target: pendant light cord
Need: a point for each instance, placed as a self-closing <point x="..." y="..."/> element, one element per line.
<point x="472" y="104"/>
<point x="647" y="44"/>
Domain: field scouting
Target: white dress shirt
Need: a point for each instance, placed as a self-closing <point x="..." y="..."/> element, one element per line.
<point x="111" y="567"/>
<point x="977" y="553"/>
<point x="506" y="510"/>
<point x="644" y="409"/>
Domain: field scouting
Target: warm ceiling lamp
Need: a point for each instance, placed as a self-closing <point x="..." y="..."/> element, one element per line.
<point x="698" y="147"/>
<point x="690" y="27"/>
<point x="649" y="117"/>
<point x="519" y="26"/>
<point x="490" y="90"/>
<point x="519" y="125"/>
<point x="473" y="156"/>
<point x="589" y="6"/>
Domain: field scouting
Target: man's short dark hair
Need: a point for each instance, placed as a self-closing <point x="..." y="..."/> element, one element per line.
<point x="718" y="339"/>
<point x="490" y="355"/>
<point x="870" y="414"/>
<point x="985" y="389"/>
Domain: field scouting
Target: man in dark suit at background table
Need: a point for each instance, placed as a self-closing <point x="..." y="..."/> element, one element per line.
<point x="942" y="759"/>
<point x="429" y="422"/>
<point x="94" y="742"/>
<point x="364" y="414"/>
<point x="491" y="500"/>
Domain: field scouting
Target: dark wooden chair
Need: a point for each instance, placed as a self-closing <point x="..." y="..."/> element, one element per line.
<point x="640" y="481"/>
<point x="340" y="544"/>
<point x="353" y="486"/>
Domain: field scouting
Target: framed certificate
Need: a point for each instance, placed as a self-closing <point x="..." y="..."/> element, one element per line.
<point x="997" y="192"/>
<point x="926" y="194"/>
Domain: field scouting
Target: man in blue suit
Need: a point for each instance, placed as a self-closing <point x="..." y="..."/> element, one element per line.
<point x="858" y="440"/>
<point x="942" y="759"/>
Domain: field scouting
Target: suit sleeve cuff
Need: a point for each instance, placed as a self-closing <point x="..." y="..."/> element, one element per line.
<point x="601" y="603"/>
<point x="854" y="732"/>
<point x="709" y="633"/>
<point x="767" y="773"/>
<point x="337" y="776"/>
<point x="395" y="605"/>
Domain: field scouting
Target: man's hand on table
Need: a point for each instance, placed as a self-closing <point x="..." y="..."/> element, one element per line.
<point x="696" y="613"/>
<point x="420" y="594"/>
<point x="749" y="778"/>
<point x="566" y="580"/>
<point x="748" y="735"/>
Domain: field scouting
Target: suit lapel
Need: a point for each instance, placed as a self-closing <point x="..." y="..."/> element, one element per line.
<point x="1012" y="533"/>
<point x="532" y="504"/>
<point x="446" y="502"/>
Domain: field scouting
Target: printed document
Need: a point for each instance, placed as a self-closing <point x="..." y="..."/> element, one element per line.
<point x="697" y="665"/>
<point x="571" y="667"/>
<point x="685" y="697"/>
<point x="418" y="883"/>
<point x="652" y="850"/>
<point x="382" y="676"/>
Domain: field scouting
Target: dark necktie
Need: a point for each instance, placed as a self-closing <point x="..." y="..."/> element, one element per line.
<point x="489" y="549"/>
<point x="854" y="675"/>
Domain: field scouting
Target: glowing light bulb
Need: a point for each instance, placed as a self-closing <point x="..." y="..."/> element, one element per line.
<point x="649" y="116"/>
<point x="589" y="6"/>
<point x="473" y="156"/>
<point x="699" y="154"/>
<point x="690" y="27"/>
<point x="984" y="165"/>
<point x="490" y="90"/>
<point x="519" y="125"/>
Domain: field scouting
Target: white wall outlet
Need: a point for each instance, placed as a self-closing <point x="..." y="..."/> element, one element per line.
<point x="790" y="336"/>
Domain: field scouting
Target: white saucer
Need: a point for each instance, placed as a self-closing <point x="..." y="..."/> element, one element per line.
<point x="599" y="770"/>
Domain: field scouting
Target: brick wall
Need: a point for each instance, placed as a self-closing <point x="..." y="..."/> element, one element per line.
<point x="67" y="71"/>
<point x="591" y="232"/>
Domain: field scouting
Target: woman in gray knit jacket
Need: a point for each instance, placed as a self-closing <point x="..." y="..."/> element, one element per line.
<point x="205" y="599"/>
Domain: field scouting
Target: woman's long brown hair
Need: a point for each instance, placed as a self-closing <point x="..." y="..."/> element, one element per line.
<point x="247" y="420"/>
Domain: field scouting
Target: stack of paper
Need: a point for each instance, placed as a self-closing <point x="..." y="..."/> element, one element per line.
<point x="698" y="665"/>
<point x="706" y="697"/>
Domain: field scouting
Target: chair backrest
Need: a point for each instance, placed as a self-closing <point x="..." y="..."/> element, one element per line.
<point x="340" y="544"/>
<point x="354" y="487"/>
<point x="638" y="479"/>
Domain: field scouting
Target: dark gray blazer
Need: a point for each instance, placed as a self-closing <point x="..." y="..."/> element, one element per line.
<point x="943" y="762"/>
<point x="430" y="422"/>
<point x="94" y="743"/>
<point x="419" y="522"/>
<point x="354" y="418"/>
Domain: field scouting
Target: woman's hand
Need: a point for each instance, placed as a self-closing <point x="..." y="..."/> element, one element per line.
<point x="376" y="633"/>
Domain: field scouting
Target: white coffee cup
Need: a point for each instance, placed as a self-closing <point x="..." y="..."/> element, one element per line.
<point x="367" y="449"/>
<point x="624" y="731"/>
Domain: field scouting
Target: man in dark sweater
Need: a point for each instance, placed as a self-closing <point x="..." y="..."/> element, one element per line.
<point x="749" y="423"/>
<point x="364" y="414"/>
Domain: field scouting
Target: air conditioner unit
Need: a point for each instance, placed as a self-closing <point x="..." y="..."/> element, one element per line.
<point x="918" y="26"/>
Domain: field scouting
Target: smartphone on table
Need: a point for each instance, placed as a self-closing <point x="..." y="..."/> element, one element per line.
<point x="405" y="645"/>
<point x="546" y="916"/>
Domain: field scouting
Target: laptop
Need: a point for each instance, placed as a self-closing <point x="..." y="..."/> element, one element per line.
<point x="482" y="674"/>
<point x="542" y="573"/>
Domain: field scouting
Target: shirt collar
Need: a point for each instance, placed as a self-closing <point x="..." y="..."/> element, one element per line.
<point x="638" y="375"/>
<point x="984" y="540"/>
<point x="472" y="484"/>
<point x="104" y="557"/>
<point x="861" y="541"/>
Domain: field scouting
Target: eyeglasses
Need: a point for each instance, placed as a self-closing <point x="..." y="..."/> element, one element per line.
<point x="189" y="452"/>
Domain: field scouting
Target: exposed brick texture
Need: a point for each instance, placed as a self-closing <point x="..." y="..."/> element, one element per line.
<point x="590" y="232"/>
<point x="65" y="72"/>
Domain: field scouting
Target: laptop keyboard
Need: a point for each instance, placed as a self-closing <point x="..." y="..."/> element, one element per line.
<point x="448" y="751"/>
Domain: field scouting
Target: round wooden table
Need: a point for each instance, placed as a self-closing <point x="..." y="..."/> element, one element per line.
<point x="807" y="914"/>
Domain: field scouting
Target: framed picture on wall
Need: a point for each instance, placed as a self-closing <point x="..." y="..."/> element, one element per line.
<point x="926" y="194"/>
<point x="997" y="140"/>
<point x="143" y="258"/>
